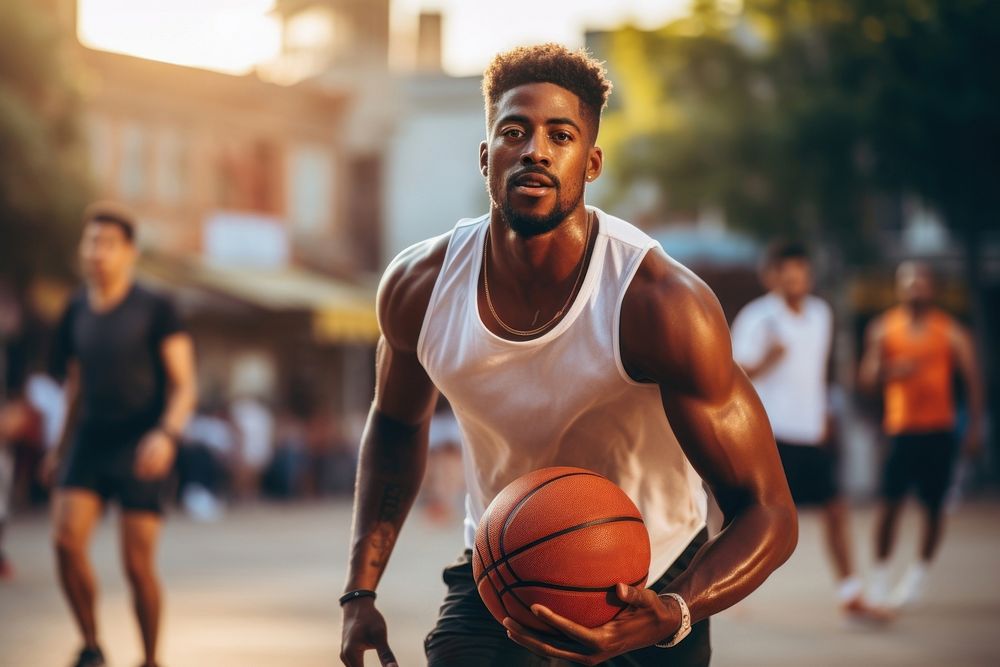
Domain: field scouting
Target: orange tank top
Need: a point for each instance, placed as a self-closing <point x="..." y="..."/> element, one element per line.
<point x="922" y="401"/>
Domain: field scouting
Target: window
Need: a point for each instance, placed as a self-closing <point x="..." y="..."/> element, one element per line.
<point x="132" y="174"/>
<point x="310" y="187"/>
<point x="171" y="167"/>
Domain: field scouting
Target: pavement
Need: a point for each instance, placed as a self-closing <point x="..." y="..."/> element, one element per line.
<point x="260" y="588"/>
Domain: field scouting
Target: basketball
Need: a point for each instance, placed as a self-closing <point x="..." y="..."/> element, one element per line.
<point x="561" y="537"/>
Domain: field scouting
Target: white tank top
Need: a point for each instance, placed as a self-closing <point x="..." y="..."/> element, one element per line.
<point x="563" y="399"/>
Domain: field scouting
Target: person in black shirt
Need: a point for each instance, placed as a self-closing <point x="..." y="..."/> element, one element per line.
<point x="129" y="371"/>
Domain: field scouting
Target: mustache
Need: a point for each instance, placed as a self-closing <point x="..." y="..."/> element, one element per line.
<point x="533" y="170"/>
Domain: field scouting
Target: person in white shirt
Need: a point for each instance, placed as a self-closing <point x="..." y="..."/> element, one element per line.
<point x="783" y="341"/>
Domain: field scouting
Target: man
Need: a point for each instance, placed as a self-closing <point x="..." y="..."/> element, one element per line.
<point x="564" y="336"/>
<point x="783" y="340"/>
<point x="912" y="352"/>
<point x="130" y="383"/>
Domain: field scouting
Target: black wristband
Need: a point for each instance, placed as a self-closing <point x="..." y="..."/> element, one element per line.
<point x="350" y="596"/>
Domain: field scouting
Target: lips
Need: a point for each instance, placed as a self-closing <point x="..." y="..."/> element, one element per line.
<point x="532" y="183"/>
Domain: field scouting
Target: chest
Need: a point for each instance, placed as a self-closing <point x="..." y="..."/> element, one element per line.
<point x="124" y="333"/>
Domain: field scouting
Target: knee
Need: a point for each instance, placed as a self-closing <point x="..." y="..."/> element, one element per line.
<point x="68" y="544"/>
<point x="139" y="568"/>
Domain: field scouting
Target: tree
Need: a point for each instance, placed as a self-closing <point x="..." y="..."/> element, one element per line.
<point x="43" y="182"/>
<point x="795" y="116"/>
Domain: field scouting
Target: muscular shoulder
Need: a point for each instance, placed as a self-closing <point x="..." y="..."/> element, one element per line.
<point x="405" y="291"/>
<point x="673" y="330"/>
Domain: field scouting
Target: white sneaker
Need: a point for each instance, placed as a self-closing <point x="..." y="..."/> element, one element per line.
<point x="911" y="587"/>
<point x="878" y="586"/>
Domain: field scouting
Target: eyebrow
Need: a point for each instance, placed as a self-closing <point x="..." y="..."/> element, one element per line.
<point x="516" y="118"/>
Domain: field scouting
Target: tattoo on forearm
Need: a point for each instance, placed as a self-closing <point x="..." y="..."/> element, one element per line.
<point x="391" y="503"/>
<point x="384" y="536"/>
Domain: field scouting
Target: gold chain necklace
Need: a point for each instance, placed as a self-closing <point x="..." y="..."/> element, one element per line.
<point x="569" y="298"/>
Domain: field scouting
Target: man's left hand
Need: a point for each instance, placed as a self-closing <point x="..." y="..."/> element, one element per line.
<point x="646" y="620"/>
<point x="155" y="455"/>
<point x="972" y="442"/>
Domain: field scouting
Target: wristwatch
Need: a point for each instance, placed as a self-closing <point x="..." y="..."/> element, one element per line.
<point x="685" y="628"/>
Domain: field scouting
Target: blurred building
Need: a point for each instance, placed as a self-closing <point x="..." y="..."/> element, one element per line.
<point x="258" y="206"/>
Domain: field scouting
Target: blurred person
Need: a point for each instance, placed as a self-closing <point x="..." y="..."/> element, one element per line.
<point x="208" y="443"/>
<point x="19" y="423"/>
<point x="783" y="342"/>
<point x="254" y="424"/>
<point x="912" y="353"/>
<point x="562" y="335"/>
<point x="285" y="475"/>
<point x="128" y="366"/>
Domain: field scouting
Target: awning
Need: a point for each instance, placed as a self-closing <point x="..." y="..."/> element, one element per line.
<point x="341" y="312"/>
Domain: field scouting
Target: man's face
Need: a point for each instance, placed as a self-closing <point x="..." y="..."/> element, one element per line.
<point x="793" y="277"/>
<point x="105" y="252"/>
<point x="914" y="284"/>
<point x="538" y="156"/>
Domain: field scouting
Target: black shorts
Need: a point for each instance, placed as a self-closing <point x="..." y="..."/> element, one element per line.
<point x="466" y="634"/>
<point x="924" y="461"/>
<point x="810" y="473"/>
<point x="102" y="459"/>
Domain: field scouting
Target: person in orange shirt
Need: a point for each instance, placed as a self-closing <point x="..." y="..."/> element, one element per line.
<point x="912" y="353"/>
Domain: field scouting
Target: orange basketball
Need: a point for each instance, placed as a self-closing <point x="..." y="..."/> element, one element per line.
<point x="561" y="537"/>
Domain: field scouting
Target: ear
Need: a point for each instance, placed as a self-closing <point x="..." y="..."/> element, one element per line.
<point x="595" y="164"/>
<point x="484" y="158"/>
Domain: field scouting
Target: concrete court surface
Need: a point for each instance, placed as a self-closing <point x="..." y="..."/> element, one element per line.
<point x="260" y="588"/>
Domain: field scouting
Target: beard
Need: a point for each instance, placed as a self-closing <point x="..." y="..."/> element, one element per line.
<point x="527" y="225"/>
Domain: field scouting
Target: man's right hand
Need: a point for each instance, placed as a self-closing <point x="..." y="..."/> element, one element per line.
<point x="364" y="630"/>
<point x="48" y="469"/>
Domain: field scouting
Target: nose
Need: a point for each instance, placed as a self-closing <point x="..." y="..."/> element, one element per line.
<point x="536" y="151"/>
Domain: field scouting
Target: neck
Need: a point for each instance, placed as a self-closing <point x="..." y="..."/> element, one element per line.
<point x="917" y="310"/>
<point x="545" y="259"/>
<point x="109" y="292"/>
<point x="794" y="302"/>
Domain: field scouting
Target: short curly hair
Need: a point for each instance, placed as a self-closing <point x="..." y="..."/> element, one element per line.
<point x="576" y="71"/>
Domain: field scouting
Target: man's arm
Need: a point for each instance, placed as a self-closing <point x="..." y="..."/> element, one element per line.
<point x="968" y="367"/>
<point x="159" y="447"/>
<point x="723" y="430"/>
<point x="71" y="392"/>
<point x="750" y="335"/>
<point x="870" y="371"/>
<point x="673" y="333"/>
<point x="393" y="448"/>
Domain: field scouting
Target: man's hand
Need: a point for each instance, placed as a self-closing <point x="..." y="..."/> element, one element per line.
<point x="364" y="630"/>
<point x="648" y="619"/>
<point x="155" y="455"/>
<point x="49" y="469"/>
<point x="972" y="442"/>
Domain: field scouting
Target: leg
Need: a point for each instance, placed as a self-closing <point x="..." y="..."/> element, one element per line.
<point x="885" y="528"/>
<point x="75" y="513"/>
<point x="465" y="632"/>
<point x="932" y="533"/>
<point x="139" y="535"/>
<point x="838" y="542"/>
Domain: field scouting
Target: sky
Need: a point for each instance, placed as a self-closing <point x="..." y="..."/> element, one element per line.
<point x="233" y="35"/>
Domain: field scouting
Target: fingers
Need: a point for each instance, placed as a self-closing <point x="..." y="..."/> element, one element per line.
<point x="519" y="634"/>
<point x="355" y="657"/>
<point x="386" y="657"/>
<point x="631" y="595"/>
<point x="575" y="631"/>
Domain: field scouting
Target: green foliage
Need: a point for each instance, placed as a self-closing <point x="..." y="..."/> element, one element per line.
<point x="795" y="116"/>
<point x="42" y="171"/>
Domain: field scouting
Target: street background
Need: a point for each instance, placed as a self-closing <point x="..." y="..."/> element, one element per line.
<point x="261" y="590"/>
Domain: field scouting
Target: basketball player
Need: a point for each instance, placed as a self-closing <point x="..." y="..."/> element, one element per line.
<point x="783" y="341"/>
<point x="912" y="353"/>
<point x="129" y="370"/>
<point x="562" y="335"/>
